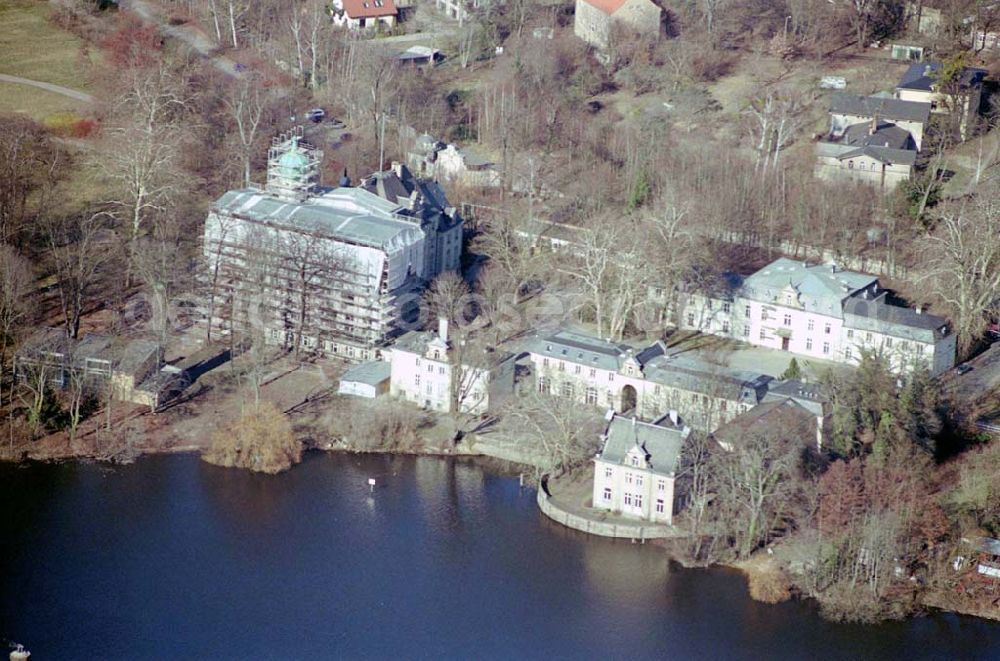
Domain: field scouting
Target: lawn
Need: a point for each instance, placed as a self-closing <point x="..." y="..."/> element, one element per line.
<point x="33" y="102"/>
<point x="32" y="47"/>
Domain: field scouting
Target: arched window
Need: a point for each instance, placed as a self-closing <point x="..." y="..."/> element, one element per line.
<point x="850" y="165"/>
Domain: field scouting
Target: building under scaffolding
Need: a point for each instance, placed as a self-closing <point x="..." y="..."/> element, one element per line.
<point x="325" y="270"/>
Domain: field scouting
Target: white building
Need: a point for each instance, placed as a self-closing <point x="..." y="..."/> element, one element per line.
<point x="330" y="271"/>
<point x="650" y="381"/>
<point x="428" y="370"/>
<point x="635" y="472"/>
<point x="824" y="312"/>
<point x="366" y="380"/>
<point x="364" y="14"/>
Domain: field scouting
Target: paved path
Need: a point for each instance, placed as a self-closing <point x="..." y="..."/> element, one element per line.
<point x="49" y="87"/>
<point x="190" y="35"/>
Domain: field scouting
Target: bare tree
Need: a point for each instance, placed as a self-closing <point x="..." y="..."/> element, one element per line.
<point x="16" y="281"/>
<point x="964" y="267"/>
<point x="28" y="159"/>
<point x="565" y="432"/>
<point x="80" y="249"/>
<point x="246" y="104"/>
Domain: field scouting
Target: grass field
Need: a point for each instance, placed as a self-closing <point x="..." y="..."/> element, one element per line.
<point x="33" y="102"/>
<point x="32" y="47"/>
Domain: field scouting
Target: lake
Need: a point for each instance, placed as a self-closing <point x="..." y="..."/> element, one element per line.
<point x="174" y="558"/>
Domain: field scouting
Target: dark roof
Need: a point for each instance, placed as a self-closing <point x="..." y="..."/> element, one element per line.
<point x="886" y="134"/>
<point x="784" y="417"/>
<point x="877" y="106"/>
<point x="879" y="316"/>
<point x="882" y="154"/>
<point x="922" y="76"/>
<point x="809" y="396"/>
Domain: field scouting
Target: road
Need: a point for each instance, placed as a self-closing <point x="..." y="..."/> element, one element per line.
<point x="976" y="385"/>
<point x="188" y="34"/>
<point x="49" y="87"/>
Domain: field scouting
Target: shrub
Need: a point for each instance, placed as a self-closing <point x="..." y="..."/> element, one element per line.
<point x="261" y="441"/>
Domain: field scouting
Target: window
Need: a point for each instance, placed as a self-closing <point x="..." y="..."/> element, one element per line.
<point x="690" y="318"/>
<point x="656" y="390"/>
<point x="607" y="494"/>
<point x="566" y="390"/>
<point x="659" y="506"/>
<point x="611" y="376"/>
<point x="868" y="337"/>
<point x="746" y="311"/>
<point x="725" y="308"/>
<point x="826" y="348"/>
<point x="628" y="477"/>
<point x="430" y="389"/>
<point x="441" y="370"/>
<point x="562" y="366"/>
<point x="545" y="362"/>
<point x="888" y="343"/>
<point x="638" y="478"/>
<point x="847" y="353"/>
<point x="746" y="331"/>
<point x="763" y="334"/>
<point x="416" y="381"/>
<point x="850" y="165"/>
<point x="608" y="472"/>
<point x="543" y="385"/>
<point x="811" y="324"/>
<point x="826" y="329"/>
<point x="592" y="396"/>
<point x="763" y="315"/>
<point x="577" y="369"/>
<point x="661" y="486"/>
<point x="809" y="344"/>
<point x="430" y="369"/>
<point x="850" y="333"/>
<point x="638" y="500"/>
<point x="628" y="499"/>
<point x="593" y="372"/>
<point x="788" y="320"/>
<point x="725" y="327"/>
<point x="418" y="362"/>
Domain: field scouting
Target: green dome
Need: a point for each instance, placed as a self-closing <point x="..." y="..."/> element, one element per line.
<point x="293" y="164"/>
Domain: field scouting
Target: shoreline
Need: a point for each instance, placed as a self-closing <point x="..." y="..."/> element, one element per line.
<point x="931" y="602"/>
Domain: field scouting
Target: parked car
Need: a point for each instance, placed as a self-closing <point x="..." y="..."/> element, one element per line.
<point x="316" y="115"/>
<point x="964" y="368"/>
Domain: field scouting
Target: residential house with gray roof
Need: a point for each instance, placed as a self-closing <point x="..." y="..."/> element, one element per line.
<point x="648" y="381"/>
<point x="874" y="139"/>
<point x="635" y="472"/>
<point x="921" y="82"/>
<point x="822" y="311"/>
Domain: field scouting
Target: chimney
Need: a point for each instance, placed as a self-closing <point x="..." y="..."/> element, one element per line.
<point x="397" y="167"/>
<point x="920" y="309"/>
<point x="443" y="329"/>
<point x="874" y="126"/>
<point x="673" y="417"/>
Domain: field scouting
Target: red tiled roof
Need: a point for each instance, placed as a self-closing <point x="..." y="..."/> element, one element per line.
<point x="607" y="6"/>
<point x="369" y="8"/>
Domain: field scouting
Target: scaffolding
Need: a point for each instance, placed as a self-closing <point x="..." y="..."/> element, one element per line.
<point x="293" y="166"/>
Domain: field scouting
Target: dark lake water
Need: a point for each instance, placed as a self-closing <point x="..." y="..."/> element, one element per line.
<point x="172" y="558"/>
